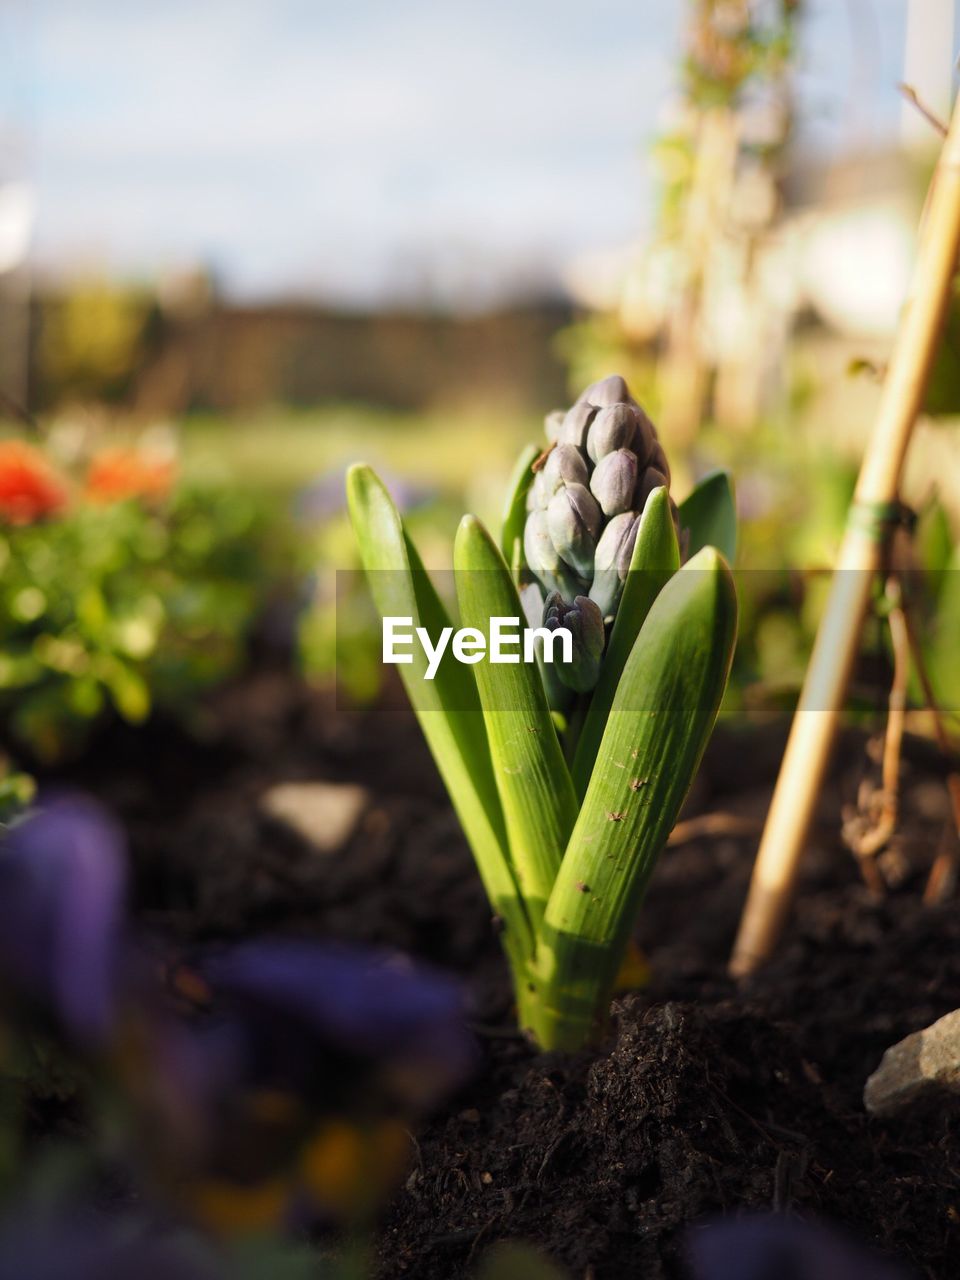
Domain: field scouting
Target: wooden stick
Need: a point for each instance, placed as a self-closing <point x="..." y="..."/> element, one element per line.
<point x="861" y="553"/>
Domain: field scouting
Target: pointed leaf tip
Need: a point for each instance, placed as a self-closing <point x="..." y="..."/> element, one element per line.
<point x="709" y="515"/>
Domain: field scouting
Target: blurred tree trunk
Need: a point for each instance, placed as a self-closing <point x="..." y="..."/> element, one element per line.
<point x="685" y="369"/>
<point x="715" y="360"/>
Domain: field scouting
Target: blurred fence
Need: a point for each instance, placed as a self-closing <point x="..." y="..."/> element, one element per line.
<point x="225" y="357"/>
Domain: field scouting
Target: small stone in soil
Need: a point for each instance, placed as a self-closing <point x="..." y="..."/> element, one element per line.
<point x="324" y="814"/>
<point x="923" y="1066"/>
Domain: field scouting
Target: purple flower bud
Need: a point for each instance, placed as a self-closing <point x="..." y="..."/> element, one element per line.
<point x="573" y="519"/>
<point x="658" y="460"/>
<point x="614" y="480"/>
<point x="774" y="1248"/>
<point x="585" y="624"/>
<point x="613" y="428"/>
<point x="612" y="561"/>
<point x="565" y="465"/>
<point x="608" y="391"/>
<point x="531" y="601"/>
<point x="626" y="548"/>
<point x="553" y="423"/>
<point x="605" y="446"/>
<point x="576" y="424"/>
<point x="543" y="560"/>
<point x="649" y="480"/>
<point x="645" y="439"/>
<point x="537" y="494"/>
<point x="615" y="547"/>
<point x="538" y="549"/>
<point x="62" y="886"/>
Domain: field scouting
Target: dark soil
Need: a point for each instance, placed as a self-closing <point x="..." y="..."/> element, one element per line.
<point x="711" y="1098"/>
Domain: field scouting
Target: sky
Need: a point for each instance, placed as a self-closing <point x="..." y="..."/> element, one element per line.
<point x="367" y="149"/>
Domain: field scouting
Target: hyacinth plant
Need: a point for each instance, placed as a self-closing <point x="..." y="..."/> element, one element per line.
<point x="567" y="776"/>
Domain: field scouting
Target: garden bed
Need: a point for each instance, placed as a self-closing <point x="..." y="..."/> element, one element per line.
<point x="712" y="1097"/>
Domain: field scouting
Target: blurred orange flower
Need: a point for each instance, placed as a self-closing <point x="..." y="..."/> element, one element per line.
<point x="30" y="489"/>
<point x="125" y="472"/>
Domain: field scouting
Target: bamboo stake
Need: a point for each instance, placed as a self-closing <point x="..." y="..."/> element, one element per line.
<point x="861" y="555"/>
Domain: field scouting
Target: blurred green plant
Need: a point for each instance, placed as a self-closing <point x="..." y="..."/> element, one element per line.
<point x="781" y="605"/>
<point x="17" y="791"/>
<point x="943" y="386"/>
<point x="120" y="608"/>
<point x="932" y="596"/>
<point x="338" y="632"/>
<point x="92" y="338"/>
<point x="338" y="636"/>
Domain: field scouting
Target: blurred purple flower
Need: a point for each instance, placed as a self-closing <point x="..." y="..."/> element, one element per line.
<point x="62" y="888"/>
<point x="280" y="1069"/>
<point x="771" y="1247"/>
<point x="325" y="497"/>
<point x="295" y="1076"/>
<point x="304" y="1003"/>
<point x="89" y="1247"/>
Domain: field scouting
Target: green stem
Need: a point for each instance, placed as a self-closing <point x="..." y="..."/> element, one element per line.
<point x="661" y="718"/>
<point x="533" y="783"/>
<point x="575" y="722"/>
<point x="567" y="1017"/>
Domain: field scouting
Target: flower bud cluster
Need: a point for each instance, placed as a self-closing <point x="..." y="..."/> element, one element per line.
<point x="585" y="502"/>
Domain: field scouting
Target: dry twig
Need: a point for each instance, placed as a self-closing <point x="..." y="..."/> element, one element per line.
<point x="713" y="824"/>
<point x="929" y="115"/>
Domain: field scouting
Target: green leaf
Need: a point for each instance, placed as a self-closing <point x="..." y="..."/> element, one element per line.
<point x="447" y="707"/>
<point x="532" y="779"/>
<point x="940" y="642"/>
<point x="710" y="515"/>
<point x="515" y="509"/>
<point x="128" y="689"/>
<point x="656" y="557"/>
<point x="17" y="791"/>
<point x="656" y="733"/>
<point x="92" y="612"/>
<point x="933" y="544"/>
